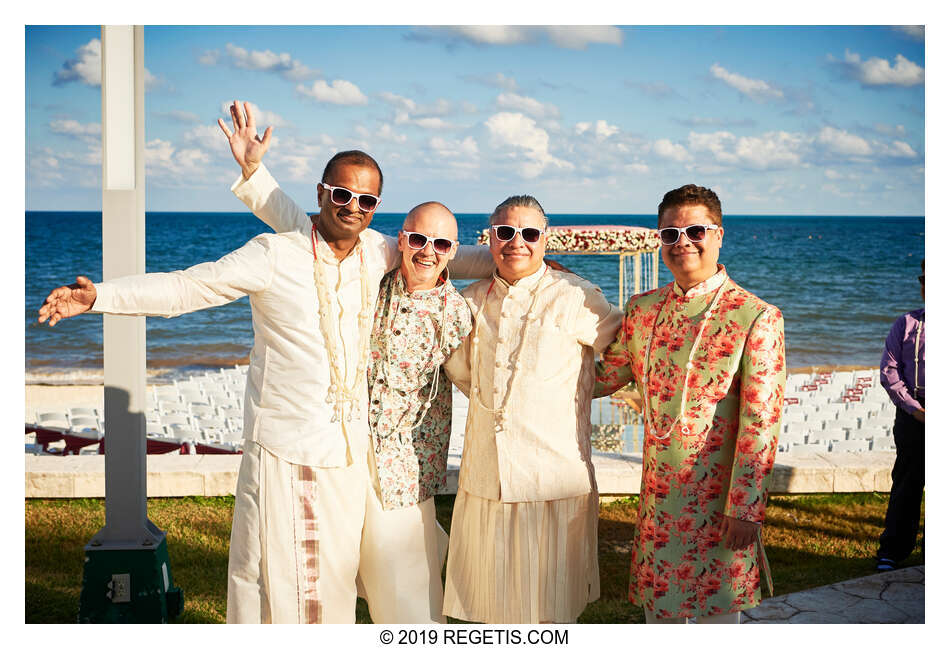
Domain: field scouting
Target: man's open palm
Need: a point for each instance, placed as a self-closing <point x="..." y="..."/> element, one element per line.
<point x="67" y="301"/>
<point x="247" y="147"/>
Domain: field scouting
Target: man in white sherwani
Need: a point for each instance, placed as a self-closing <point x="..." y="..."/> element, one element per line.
<point x="523" y="542"/>
<point x="304" y="488"/>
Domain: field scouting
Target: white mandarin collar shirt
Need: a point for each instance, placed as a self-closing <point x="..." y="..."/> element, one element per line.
<point x="285" y="399"/>
<point x="534" y="445"/>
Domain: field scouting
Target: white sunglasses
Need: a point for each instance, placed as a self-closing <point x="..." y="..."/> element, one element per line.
<point x="695" y="233"/>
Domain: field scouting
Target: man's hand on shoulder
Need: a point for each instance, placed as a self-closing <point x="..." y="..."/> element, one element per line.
<point x="247" y="147"/>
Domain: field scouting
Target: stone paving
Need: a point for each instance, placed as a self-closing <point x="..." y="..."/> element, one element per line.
<point x="895" y="597"/>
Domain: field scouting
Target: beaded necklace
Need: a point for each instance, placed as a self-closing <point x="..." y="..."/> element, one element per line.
<point x="476" y="393"/>
<point x="345" y="399"/>
<point x="647" y="410"/>
<point x="390" y="323"/>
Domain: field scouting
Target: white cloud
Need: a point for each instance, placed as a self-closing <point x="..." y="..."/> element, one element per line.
<point x="774" y="150"/>
<point x="574" y="37"/>
<point x="497" y="81"/>
<point x="85" y="68"/>
<point x="509" y="101"/>
<point x="209" y="57"/>
<point x="163" y="159"/>
<point x="524" y="142"/>
<point x="831" y="174"/>
<point x="386" y="132"/>
<point x="843" y="143"/>
<point x="600" y="129"/>
<point x="427" y="116"/>
<point x="207" y="137"/>
<point x="876" y="71"/>
<point x="454" y="148"/>
<point x="339" y="91"/>
<point x="666" y="149"/>
<point x="264" y="60"/>
<point x="887" y="129"/>
<point x="716" y="143"/>
<point x="898" y="149"/>
<point x="262" y="118"/>
<point x="913" y="31"/>
<point x="73" y="128"/>
<point x="433" y="123"/>
<point x="755" y="89"/>
<point x="637" y="168"/>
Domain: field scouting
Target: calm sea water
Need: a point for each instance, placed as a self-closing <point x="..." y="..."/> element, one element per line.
<point x="840" y="282"/>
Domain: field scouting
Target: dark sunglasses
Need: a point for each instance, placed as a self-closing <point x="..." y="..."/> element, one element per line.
<point x="508" y="232"/>
<point x="418" y="241"/>
<point x="695" y="233"/>
<point x="343" y="196"/>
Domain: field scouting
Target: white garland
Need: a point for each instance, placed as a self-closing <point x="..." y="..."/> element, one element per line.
<point x="345" y="399"/>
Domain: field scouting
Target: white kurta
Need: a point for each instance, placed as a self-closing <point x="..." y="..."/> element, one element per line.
<point x="401" y="552"/>
<point x="523" y="547"/>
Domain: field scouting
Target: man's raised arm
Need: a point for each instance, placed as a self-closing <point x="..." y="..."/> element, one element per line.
<point x="256" y="188"/>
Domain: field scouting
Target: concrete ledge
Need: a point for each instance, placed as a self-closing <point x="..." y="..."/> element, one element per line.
<point x="173" y="475"/>
<point x="82" y="476"/>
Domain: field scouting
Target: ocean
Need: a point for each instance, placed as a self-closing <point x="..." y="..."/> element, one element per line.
<point x="840" y="282"/>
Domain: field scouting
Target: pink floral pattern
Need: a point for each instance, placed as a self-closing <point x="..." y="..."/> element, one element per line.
<point x="716" y="461"/>
<point x="404" y="360"/>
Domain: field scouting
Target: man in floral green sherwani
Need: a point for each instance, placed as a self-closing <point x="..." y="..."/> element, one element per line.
<point x="709" y="359"/>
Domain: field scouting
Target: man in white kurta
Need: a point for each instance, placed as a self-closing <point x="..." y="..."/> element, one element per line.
<point x="523" y="543"/>
<point x="304" y="489"/>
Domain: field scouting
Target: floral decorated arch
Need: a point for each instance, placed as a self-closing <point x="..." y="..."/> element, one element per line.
<point x="637" y="249"/>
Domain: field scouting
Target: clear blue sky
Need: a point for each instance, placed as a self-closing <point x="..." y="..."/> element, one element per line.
<point x="778" y="120"/>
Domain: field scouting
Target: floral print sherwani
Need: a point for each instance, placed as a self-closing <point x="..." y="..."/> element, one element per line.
<point x="717" y="459"/>
<point x="405" y="358"/>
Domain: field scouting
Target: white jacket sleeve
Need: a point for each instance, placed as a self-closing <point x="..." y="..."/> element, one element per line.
<point x="264" y="197"/>
<point x="247" y="270"/>
<point x="472" y="262"/>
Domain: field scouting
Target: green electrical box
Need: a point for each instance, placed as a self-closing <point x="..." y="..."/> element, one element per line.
<point x="128" y="586"/>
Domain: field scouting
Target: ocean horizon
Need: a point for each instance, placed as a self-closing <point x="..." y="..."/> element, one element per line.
<point x="840" y="282"/>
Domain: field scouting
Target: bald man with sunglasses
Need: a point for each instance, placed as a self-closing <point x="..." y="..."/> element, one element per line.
<point x="388" y="546"/>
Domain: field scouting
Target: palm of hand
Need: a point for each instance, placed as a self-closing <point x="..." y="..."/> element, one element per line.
<point x="68" y="301"/>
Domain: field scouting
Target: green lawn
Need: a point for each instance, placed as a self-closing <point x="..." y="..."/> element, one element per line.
<point x="810" y="541"/>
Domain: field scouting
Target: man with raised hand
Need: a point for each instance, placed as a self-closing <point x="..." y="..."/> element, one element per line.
<point x="304" y="486"/>
<point x="709" y="359"/>
<point x="523" y="547"/>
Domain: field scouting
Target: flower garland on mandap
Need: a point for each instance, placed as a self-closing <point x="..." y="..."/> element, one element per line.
<point x="619" y="238"/>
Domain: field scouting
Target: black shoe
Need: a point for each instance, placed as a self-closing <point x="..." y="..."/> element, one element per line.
<point x="885" y="565"/>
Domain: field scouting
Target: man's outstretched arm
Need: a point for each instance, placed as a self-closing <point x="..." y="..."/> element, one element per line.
<point x="246" y="270"/>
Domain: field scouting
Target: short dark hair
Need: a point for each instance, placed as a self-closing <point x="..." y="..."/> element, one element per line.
<point x="691" y="195"/>
<point x="352" y="157"/>
<point x="523" y="200"/>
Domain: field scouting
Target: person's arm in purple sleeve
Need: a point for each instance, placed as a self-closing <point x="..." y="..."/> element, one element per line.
<point x="891" y="377"/>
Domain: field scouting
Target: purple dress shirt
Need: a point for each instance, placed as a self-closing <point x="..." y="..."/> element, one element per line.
<point x="902" y="364"/>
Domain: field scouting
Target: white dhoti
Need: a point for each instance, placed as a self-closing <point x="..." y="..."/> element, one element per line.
<point x="522" y="563"/>
<point x="303" y="536"/>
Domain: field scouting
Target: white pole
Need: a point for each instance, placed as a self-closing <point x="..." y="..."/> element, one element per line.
<point x="123" y="253"/>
